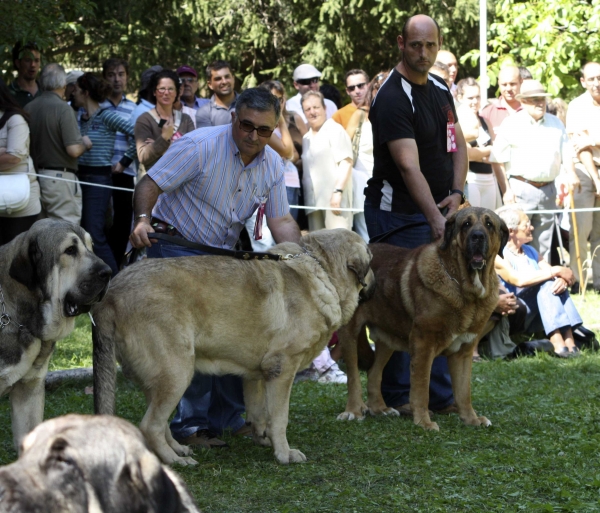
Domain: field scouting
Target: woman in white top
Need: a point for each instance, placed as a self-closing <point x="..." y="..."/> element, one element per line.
<point x="482" y="188"/>
<point x="14" y="158"/>
<point x="327" y="166"/>
<point x="359" y="128"/>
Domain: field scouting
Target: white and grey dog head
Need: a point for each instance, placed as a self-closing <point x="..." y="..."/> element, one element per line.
<point x="92" y="464"/>
<point x="55" y="258"/>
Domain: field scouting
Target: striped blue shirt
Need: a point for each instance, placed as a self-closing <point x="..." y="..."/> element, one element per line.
<point x="208" y="193"/>
<point x="122" y="141"/>
<point x="102" y="128"/>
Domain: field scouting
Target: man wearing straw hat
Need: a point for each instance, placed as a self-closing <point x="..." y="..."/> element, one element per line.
<point x="583" y="126"/>
<point x="532" y="145"/>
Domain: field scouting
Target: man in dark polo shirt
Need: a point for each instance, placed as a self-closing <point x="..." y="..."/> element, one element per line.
<point x="419" y="175"/>
<point x="26" y="60"/>
<point x="55" y="145"/>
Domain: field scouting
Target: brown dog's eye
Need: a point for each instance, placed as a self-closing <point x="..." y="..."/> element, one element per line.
<point x="467" y="224"/>
<point x="489" y="224"/>
<point x="71" y="250"/>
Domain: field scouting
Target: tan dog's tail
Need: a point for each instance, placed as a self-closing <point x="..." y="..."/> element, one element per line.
<point x="105" y="371"/>
<point x="366" y="355"/>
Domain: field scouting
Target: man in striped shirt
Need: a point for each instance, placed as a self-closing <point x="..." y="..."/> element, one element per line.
<point x="116" y="73"/>
<point x="205" y="187"/>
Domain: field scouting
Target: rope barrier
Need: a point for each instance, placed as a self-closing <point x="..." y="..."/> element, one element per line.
<point x="302" y="207"/>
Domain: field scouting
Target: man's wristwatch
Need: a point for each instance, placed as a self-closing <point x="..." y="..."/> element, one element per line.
<point x="459" y="192"/>
<point x="141" y="216"/>
<point x="338" y="190"/>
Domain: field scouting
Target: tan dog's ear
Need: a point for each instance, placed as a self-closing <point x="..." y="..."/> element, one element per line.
<point x="449" y="231"/>
<point x="359" y="263"/>
<point x="503" y="236"/>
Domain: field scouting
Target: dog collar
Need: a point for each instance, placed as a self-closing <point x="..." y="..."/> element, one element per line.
<point x="6" y="319"/>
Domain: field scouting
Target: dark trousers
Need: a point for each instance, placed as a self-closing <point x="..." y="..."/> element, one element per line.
<point x="395" y="383"/>
<point x="95" y="205"/>
<point x="10" y="227"/>
<point x="118" y="234"/>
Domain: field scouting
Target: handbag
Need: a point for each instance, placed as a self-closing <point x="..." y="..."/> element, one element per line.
<point x="356" y="138"/>
<point x="14" y="192"/>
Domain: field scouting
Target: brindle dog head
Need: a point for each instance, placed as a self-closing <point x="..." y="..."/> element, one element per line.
<point x="479" y="233"/>
<point x="56" y="259"/>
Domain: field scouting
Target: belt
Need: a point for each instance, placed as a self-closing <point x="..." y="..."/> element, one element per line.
<point x="63" y="169"/>
<point x="538" y="185"/>
<point x="168" y="233"/>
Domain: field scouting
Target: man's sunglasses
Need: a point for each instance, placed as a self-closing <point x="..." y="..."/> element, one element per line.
<point x="262" y="131"/>
<point x="188" y="80"/>
<point x="353" y="87"/>
<point x="308" y="81"/>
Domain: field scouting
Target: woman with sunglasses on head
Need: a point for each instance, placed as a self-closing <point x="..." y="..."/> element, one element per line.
<point x="101" y="126"/>
<point x="360" y="131"/>
<point x="156" y="129"/>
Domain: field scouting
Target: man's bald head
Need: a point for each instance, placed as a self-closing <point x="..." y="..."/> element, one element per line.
<point x="591" y="79"/>
<point x="509" y="83"/>
<point x="449" y="59"/>
<point x="420" y="21"/>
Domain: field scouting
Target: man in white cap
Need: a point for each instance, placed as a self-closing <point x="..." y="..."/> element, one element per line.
<point x="531" y="146"/>
<point x="306" y="78"/>
<point x="583" y="126"/>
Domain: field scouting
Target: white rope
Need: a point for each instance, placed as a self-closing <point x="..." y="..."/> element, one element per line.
<point x="300" y="207"/>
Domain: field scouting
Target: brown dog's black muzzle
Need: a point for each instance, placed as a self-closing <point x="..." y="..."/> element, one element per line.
<point x="477" y="248"/>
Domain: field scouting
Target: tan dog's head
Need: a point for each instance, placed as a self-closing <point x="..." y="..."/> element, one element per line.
<point x="479" y="233"/>
<point x="342" y="249"/>
<point x="91" y="464"/>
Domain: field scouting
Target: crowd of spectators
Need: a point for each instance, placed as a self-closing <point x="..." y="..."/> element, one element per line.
<point x="82" y="127"/>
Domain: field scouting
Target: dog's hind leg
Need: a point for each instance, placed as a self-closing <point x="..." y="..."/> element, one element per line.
<point x="162" y="398"/>
<point x="347" y="337"/>
<point x="375" y="401"/>
<point x="460" y="371"/>
<point x="277" y="394"/>
<point x="256" y="410"/>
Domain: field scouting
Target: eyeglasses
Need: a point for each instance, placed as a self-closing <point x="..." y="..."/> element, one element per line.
<point x="187" y="80"/>
<point x="262" y="131"/>
<point x="165" y="90"/>
<point x="359" y="86"/>
<point x="308" y="81"/>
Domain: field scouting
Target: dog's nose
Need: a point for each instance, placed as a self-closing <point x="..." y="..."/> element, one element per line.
<point x="104" y="272"/>
<point x="477" y="236"/>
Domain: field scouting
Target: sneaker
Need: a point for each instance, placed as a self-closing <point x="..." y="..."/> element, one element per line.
<point x="333" y="375"/>
<point x="203" y="438"/>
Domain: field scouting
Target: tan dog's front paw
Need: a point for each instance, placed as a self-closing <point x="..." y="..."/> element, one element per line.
<point x="184" y="462"/>
<point x="427" y="425"/>
<point x="293" y="456"/>
<point x="350" y="415"/>
<point x="384" y="410"/>
<point x="480" y="421"/>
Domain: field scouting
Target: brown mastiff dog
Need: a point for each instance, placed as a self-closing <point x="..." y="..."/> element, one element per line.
<point x="430" y="301"/>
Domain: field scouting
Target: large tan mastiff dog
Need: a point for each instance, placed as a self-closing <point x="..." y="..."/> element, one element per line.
<point x="262" y="320"/>
<point x="90" y="464"/>
<point x="48" y="276"/>
<point x="430" y="301"/>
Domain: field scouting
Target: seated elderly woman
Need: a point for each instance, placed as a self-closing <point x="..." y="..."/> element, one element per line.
<point x="543" y="288"/>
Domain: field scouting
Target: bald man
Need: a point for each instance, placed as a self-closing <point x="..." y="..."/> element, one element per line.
<point x="418" y="176"/>
<point x="449" y="59"/>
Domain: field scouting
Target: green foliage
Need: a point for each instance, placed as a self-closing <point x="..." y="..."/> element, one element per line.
<point x="552" y="38"/>
<point x="261" y="38"/>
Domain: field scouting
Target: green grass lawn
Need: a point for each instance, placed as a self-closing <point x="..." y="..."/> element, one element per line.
<point x="541" y="453"/>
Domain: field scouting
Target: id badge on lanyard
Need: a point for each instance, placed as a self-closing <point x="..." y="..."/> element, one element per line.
<point x="450" y="133"/>
<point x="260" y="213"/>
